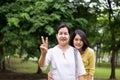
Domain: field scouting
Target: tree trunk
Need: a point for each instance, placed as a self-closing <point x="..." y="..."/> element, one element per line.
<point x="112" y="76"/>
<point x="116" y="58"/>
<point x="2" y="63"/>
<point x="1" y="52"/>
<point x="113" y="48"/>
<point x="39" y="71"/>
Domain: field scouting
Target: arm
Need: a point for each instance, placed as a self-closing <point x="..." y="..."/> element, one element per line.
<point x="43" y="49"/>
<point x="81" y="77"/>
<point x="91" y="66"/>
<point x="41" y="60"/>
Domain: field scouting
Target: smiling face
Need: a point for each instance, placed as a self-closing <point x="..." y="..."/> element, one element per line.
<point x="78" y="42"/>
<point x="63" y="36"/>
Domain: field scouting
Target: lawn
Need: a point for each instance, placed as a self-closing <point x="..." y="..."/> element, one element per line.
<point x="30" y="67"/>
<point x="104" y="73"/>
<point x="17" y="65"/>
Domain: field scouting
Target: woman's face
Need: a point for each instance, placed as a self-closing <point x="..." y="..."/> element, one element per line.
<point x="63" y="36"/>
<point x="77" y="42"/>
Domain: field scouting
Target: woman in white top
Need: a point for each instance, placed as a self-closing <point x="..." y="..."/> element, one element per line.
<point x="61" y="58"/>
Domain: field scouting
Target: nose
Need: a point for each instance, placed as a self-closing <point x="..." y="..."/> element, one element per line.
<point x="78" y="41"/>
<point x="63" y="35"/>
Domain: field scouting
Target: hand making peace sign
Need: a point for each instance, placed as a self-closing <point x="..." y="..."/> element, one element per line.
<point x="44" y="45"/>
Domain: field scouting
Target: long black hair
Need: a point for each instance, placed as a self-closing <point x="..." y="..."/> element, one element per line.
<point x="83" y="36"/>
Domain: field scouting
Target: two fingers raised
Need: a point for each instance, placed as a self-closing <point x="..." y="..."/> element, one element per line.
<point x="44" y="40"/>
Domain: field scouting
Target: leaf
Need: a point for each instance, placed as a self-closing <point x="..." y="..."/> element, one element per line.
<point x="49" y="30"/>
<point x="25" y="16"/>
<point x="13" y="22"/>
<point x="55" y="16"/>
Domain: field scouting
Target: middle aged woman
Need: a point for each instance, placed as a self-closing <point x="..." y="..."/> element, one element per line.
<point x="61" y="58"/>
<point x="80" y="42"/>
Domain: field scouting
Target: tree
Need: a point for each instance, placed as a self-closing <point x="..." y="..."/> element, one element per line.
<point x="101" y="17"/>
<point x="25" y="21"/>
<point x="114" y="46"/>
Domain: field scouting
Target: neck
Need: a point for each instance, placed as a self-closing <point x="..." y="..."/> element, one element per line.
<point x="63" y="47"/>
<point x="81" y="52"/>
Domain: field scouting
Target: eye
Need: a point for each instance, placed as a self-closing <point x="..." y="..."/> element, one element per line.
<point x="66" y="33"/>
<point x="60" y="33"/>
<point x="81" y="40"/>
<point x="76" y="39"/>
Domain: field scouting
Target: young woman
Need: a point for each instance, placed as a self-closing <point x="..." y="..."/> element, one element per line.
<point x="61" y="58"/>
<point x="80" y="42"/>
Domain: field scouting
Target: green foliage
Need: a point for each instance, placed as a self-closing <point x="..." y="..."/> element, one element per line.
<point x="28" y="20"/>
<point x="24" y="21"/>
<point x="49" y="30"/>
<point x="13" y="22"/>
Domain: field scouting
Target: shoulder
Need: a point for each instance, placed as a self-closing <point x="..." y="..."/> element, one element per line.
<point x="52" y="49"/>
<point x="74" y="49"/>
<point x="90" y="51"/>
<point x="71" y="48"/>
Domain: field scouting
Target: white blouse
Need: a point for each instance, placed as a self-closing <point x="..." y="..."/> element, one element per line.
<point x="62" y="65"/>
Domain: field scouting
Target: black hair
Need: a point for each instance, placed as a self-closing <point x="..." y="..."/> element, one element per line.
<point x="62" y="25"/>
<point x="83" y="36"/>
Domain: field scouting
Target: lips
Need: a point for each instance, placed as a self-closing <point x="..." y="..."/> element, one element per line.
<point x="78" y="45"/>
<point x="63" y="39"/>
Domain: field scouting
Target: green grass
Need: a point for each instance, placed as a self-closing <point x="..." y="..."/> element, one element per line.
<point x="101" y="73"/>
<point x="17" y="65"/>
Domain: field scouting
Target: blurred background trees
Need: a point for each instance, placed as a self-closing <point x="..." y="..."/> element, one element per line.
<point x="22" y="22"/>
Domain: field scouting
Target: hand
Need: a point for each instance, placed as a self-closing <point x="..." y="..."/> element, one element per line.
<point x="90" y="77"/>
<point x="44" y="45"/>
<point x="50" y="76"/>
<point x="81" y="77"/>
